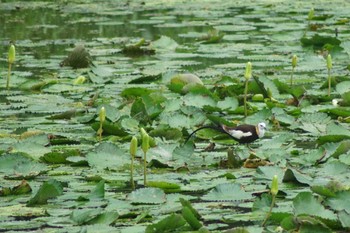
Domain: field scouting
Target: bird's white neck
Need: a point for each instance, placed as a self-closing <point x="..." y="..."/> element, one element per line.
<point x="260" y="132"/>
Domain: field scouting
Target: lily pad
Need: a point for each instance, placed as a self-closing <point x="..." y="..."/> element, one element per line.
<point x="49" y="189"/>
<point x="227" y="192"/>
<point x="18" y="165"/>
<point x="305" y="203"/>
<point x="147" y="196"/>
<point x="107" y="155"/>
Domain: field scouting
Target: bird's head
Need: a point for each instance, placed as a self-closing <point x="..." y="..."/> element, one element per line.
<point x="261" y="129"/>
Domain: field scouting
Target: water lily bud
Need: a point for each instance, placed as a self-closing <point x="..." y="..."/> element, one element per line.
<point x="274" y="185"/>
<point x="269" y="92"/>
<point x="248" y="71"/>
<point x="258" y="98"/>
<point x="80" y="80"/>
<point x="12" y="54"/>
<point x="145" y="143"/>
<point x="294" y="61"/>
<point x="133" y="146"/>
<point x="311" y="14"/>
<point x="329" y="62"/>
<point x="143" y="132"/>
<point x="102" y="114"/>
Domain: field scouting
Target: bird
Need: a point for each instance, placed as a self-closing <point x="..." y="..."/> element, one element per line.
<point x="243" y="134"/>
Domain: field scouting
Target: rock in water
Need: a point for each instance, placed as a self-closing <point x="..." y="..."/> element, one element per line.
<point x="78" y="58"/>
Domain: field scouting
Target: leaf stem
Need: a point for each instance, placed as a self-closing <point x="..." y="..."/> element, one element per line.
<point x="99" y="132"/>
<point x="8" y="77"/>
<point x="329" y="82"/>
<point x="270" y="211"/>
<point x="245" y="98"/>
<point x="132" y="173"/>
<point x="144" y="169"/>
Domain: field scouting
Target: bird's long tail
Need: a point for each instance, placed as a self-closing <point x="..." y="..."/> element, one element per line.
<point x="214" y="127"/>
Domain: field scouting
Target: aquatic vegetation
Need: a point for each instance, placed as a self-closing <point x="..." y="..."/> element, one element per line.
<point x="329" y="68"/>
<point x="11" y="59"/>
<point x="133" y="149"/>
<point x="247" y="76"/>
<point x="70" y="135"/>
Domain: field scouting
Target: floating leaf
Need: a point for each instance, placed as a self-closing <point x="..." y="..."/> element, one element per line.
<point x="83" y="216"/>
<point x="22" y="188"/>
<point x="191" y="219"/>
<point x="315" y="123"/>
<point x="229" y="103"/>
<point x="99" y="191"/>
<point x="107" y="155"/>
<point x="132" y="92"/>
<point x="227" y="192"/>
<point x="344" y="218"/>
<point x="305" y="203"/>
<point x="138" y="48"/>
<point x="59" y="156"/>
<point x="166" y="186"/>
<point x="20" y="210"/>
<point x="147" y="196"/>
<point x="168" y="224"/>
<point x="292" y="175"/>
<point x="323" y="190"/>
<point x="343" y="87"/>
<point x="18" y="165"/>
<point x="164" y="43"/>
<point x="34" y="146"/>
<point x="48" y="190"/>
<point x="319" y="40"/>
<point x="340" y="201"/>
<point x="186" y="203"/>
<point x="166" y="132"/>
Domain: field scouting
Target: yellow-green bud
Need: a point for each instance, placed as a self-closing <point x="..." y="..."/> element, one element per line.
<point x="142" y="132"/>
<point x="12" y="54"/>
<point x="248" y="71"/>
<point x="133" y="146"/>
<point x="258" y="98"/>
<point x="311" y="14"/>
<point x="145" y="143"/>
<point x="329" y="62"/>
<point x="269" y="92"/>
<point x="79" y="80"/>
<point x="294" y="61"/>
<point x="274" y="185"/>
<point x="102" y="114"/>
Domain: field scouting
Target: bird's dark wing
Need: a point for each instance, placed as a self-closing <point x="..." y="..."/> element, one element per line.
<point x="217" y="128"/>
<point x="244" y="128"/>
<point x="244" y="133"/>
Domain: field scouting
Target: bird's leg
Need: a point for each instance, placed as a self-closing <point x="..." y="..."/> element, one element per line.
<point x="251" y="150"/>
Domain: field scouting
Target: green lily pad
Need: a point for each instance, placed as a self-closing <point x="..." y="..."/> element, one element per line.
<point x="18" y="165"/>
<point x="344" y="218"/>
<point x="107" y="155"/>
<point x="34" y="146"/>
<point x="229" y="103"/>
<point x="306" y="203"/>
<point x="22" y="210"/>
<point x="340" y="201"/>
<point x="227" y="192"/>
<point x="319" y="40"/>
<point x="169" y="223"/>
<point x="48" y="190"/>
<point x="147" y="196"/>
